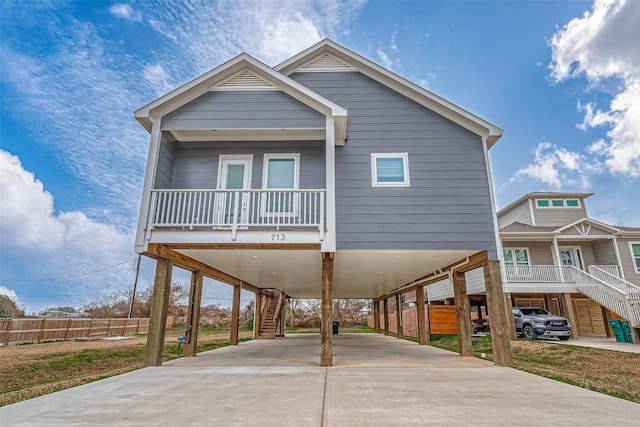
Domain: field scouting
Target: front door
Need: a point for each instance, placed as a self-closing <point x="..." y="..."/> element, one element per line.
<point x="235" y="174"/>
<point x="571" y="256"/>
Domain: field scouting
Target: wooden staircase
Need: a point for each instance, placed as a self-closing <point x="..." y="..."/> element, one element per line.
<point x="271" y="310"/>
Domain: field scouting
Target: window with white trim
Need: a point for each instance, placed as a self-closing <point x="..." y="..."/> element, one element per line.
<point x="390" y="170"/>
<point x="557" y="203"/>
<point x="280" y="172"/>
<point x="635" y="255"/>
<point x="517" y="261"/>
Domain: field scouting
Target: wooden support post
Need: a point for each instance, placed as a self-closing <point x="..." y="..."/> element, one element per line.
<point x="511" y="322"/>
<point x="158" y="318"/>
<point x="606" y="314"/>
<point x="66" y="331"/>
<point x="567" y="305"/>
<point x="399" y="315"/>
<point x="385" y="303"/>
<point x="235" y="315"/>
<point x="283" y="317"/>
<point x="463" y="314"/>
<point x="326" y="346"/>
<point x="547" y="304"/>
<point x="496" y="307"/>
<point x="376" y="317"/>
<point x="257" y="316"/>
<point x="193" y="314"/>
<point x="422" y="318"/>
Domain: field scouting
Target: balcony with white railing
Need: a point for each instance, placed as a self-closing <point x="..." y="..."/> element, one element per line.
<point x="256" y="213"/>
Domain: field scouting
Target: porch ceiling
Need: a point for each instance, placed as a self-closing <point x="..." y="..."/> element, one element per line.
<point x="358" y="274"/>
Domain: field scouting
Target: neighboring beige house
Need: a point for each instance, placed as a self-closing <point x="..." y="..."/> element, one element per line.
<point x="558" y="258"/>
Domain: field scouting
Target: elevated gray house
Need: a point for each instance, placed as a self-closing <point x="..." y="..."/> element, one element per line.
<point x="327" y="176"/>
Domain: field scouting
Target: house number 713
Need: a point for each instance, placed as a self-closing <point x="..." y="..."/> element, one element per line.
<point x="277" y="237"/>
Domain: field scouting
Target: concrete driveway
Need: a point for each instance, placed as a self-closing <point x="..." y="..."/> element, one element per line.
<point x="376" y="381"/>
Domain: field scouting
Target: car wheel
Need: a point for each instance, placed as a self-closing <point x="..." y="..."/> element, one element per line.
<point x="528" y="332"/>
<point x="564" y="338"/>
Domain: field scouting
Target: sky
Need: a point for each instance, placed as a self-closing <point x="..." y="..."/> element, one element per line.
<point x="562" y="78"/>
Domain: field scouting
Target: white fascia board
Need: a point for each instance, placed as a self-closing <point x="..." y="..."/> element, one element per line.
<point x="407" y="88"/>
<point x="591" y="221"/>
<point x="196" y="87"/>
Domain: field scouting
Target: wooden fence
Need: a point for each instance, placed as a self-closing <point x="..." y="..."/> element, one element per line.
<point x="16" y="331"/>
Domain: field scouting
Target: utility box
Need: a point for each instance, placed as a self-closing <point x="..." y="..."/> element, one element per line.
<point x="618" y="331"/>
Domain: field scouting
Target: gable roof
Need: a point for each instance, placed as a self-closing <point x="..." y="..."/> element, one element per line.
<point x="237" y="66"/>
<point x="516" y="228"/>
<point x="407" y="88"/>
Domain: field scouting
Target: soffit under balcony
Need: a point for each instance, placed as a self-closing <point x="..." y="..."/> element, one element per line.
<point x="357" y="274"/>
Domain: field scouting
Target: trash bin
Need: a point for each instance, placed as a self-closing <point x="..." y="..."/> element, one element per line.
<point x="626" y="330"/>
<point x="617" y="330"/>
<point x="336" y="324"/>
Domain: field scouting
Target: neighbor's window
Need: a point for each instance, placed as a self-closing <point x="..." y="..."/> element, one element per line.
<point x="516" y="261"/>
<point x="390" y="170"/>
<point x="558" y="203"/>
<point x="635" y="255"/>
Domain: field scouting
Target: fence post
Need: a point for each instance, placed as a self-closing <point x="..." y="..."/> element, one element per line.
<point x="66" y="332"/>
<point x="42" y="322"/>
<point x="138" y="327"/>
<point x="89" y="330"/>
<point x="109" y="328"/>
<point x="9" y="327"/>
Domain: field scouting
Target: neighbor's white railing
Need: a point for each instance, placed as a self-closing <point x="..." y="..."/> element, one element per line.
<point x="607" y="290"/>
<point x="532" y="273"/>
<point x="234" y="209"/>
<point x="613" y="270"/>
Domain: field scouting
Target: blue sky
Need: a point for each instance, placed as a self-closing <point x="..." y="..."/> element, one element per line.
<point x="561" y="78"/>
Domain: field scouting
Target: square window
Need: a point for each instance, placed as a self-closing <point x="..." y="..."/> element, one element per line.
<point x="542" y="203"/>
<point x="390" y="170"/>
<point x="280" y="174"/>
<point x="557" y="203"/>
<point x="573" y="203"/>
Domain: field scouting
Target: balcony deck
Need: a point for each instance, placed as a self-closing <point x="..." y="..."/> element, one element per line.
<point x="236" y="216"/>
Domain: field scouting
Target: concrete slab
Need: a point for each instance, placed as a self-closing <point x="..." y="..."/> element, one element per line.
<point x="377" y="381"/>
<point x="603" y="343"/>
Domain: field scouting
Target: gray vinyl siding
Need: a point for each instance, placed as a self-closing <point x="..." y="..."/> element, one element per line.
<point x="604" y="252"/>
<point x="197" y="168"/>
<point x="558" y="216"/>
<point x="440" y="290"/>
<point x="448" y="205"/>
<point x="627" y="261"/>
<point x="475" y="281"/>
<point x="166" y="158"/>
<point x="520" y="213"/>
<point x="233" y="110"/>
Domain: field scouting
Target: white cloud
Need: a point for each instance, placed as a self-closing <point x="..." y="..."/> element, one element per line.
<point x="603" y="45"/>
<point x="386" y="61"/>
<point x="393" y="45"/>
<point x="53" y="244"/>
<point x="558" y="167"/>
<point x="10" y="293"/>
<point x="206" y="33"/>
<point x="125" y="11"/>
<point x="157" y="77"/>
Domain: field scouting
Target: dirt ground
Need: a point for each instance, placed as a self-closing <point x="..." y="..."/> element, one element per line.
<point x="28" y="371"/>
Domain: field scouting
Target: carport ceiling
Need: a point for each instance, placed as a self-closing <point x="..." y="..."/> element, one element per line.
<point x="358" y="274"/>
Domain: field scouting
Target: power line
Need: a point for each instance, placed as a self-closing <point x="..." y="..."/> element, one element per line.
<point x="66" y="277"/>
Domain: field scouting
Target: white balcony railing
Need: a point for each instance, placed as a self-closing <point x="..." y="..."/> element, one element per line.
<point x="611" y="270"/>
<point x="238" y="209"/>
<point x="532" y="273"/>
